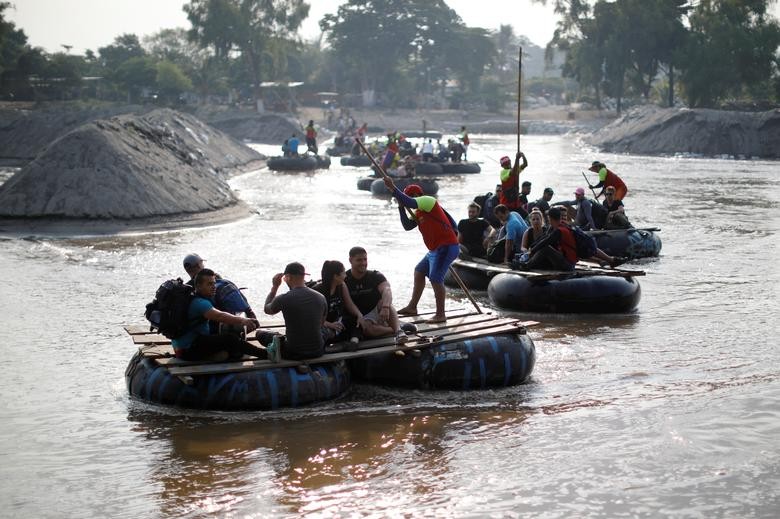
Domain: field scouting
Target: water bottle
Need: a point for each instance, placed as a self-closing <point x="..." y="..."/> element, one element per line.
<point x="275" y="349"/>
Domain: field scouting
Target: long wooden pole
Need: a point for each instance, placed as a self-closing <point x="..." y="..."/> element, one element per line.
<point x="452" y="270"/>
<point x="519" y="92"/>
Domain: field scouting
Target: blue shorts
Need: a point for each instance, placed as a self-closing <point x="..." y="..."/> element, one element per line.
<point x="436" y="262"/>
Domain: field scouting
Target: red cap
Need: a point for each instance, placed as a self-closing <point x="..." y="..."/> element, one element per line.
<point x="413" y="190"/>
<point x="505" y="160"/>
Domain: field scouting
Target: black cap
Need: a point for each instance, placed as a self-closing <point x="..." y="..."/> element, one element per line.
<point x="548" y="190"/>
<point x="526" y="183"/>
<point x="295" y="269"/>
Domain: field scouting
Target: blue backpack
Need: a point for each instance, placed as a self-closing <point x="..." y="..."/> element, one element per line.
<point x="586" y="244"/>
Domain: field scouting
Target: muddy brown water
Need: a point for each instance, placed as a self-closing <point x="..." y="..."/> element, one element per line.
<point x="673" y="410"/>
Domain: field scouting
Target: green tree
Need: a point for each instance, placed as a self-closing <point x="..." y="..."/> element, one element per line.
<point x="124" y="47"/>
<point x="252" y="28"/>
<point x="731" y="51"/>
<point x="171" y="81"/>
<point x="136" y="74"/>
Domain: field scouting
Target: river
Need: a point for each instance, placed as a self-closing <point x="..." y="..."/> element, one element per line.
<point x="673" y="410"/>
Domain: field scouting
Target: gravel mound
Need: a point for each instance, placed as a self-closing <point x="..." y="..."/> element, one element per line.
<point x="129" y="166"/>
<point x="667" y="131"/>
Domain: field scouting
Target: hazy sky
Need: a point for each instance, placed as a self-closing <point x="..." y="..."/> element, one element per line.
<point x="89" y="24"/>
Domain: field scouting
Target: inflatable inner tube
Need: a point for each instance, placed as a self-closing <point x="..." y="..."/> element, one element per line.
<point x="364" y="184"/>
<point x="356" y="161"/>
<point x="473" y="278"/>
<point x="631" y="243"/>
<point x="479" y="363"/>
<point x="428" y="185"/>
<point x="302" y="163"/>
<point x="459" y="168"/>
<point x="587" y="294"/>
<point x="337" y="151"/>
<point x="264" y="389"/>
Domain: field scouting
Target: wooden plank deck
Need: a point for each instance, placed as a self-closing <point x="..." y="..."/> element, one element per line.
<point x="499" y="326"/>
<point x="462" y="324"/>
<point x="582" y="269"/>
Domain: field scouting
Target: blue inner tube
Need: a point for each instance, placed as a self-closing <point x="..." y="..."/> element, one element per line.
<point x="474" y="279"/>
<point x="479" y="363"/>
<point x="356" y="161"/>
<point x="591" y="294"/>
<point x="248" y="390"/>
<point x="631" y="243"/>
<point x="428" y="185"/>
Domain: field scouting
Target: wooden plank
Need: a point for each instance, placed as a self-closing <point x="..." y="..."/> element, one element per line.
<point x="607" y="231"/>
<point x="234" y="367"/>
<point x="143" y="329"/>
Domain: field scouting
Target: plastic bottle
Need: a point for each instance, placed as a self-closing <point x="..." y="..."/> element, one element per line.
<point x="275" y="349"/>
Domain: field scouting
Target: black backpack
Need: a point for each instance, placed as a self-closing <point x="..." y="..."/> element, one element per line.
<point x="586" y="244"/>
<point x="599" y="214"/>
<point x="167" y="313"/>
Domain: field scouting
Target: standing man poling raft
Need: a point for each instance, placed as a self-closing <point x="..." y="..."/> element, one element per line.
<point x="311" y="137"/>
<point x="441" y="238"/>
<point x="510" y="182"/>
<point x="608" y="178"/>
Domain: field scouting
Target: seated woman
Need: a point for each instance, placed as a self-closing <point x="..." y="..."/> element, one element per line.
<point x="533" y="234"/>
<point x="344" y="319"/>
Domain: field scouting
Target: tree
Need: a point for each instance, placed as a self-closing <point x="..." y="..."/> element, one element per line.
<point x="252" y="28"/>
<point x="731" y="51"/>
<point x="136" y="74"/>
<point x="171" y="81"/>
<point x="125" y="47"/>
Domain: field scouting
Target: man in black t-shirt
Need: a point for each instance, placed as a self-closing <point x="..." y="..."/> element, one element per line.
<point x="371" y="293"/>
<point x="616" y="213"/>
<point x="472" y="232"/>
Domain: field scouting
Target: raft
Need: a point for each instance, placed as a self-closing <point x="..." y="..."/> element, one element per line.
<point x="573" y="294"/>
<point x="337" y="151"/>
<point x="364" y="183"/>
<point x="500" y="355"/>
<point x="356" y="161"/>
<point x="459" y="168"/>
<point x="468" y="351"/>
<point x="630" y="243"/>
<point x="428" y="185"/>
<point x="300" y="163"/>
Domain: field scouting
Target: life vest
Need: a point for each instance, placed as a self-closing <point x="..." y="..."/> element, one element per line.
<point x="311" y="133"/>
<point x="615" y="181"/>
<point x="509" y="189"/>
<point x="465" y="138"/>
<point x="435" y="227"/>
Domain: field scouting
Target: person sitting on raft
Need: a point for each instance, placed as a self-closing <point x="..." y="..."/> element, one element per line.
<point x="343" y="318"/>
<point x="616" y="213"/>
<point x="234" y="301"/>
<point x="590" y="214"/>
<point x="198" y="343"/>
<point x="292" y="146"/>
<point x="543" y="204"/>
<point x="440" y="237"/>
<point x="608" y="178"/>
<point x="304" y="312"/>
<point x="514" y="227"/>
<point x="474" y="232"/>
<point x="534" y="233"/>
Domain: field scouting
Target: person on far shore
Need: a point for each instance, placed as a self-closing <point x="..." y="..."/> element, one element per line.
<point x="474" y="232"/>
<point x="440" y="237"/>
<point x="304" y="312"/>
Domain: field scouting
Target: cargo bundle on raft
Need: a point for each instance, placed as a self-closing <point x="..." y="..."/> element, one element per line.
<point x="469" y="351"/>
<point x="586" y="289"/>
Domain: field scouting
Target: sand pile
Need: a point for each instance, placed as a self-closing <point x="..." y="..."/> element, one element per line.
<point x="265" y="129"/>
<point x="659" y="131"/>
<point x="128" y="167"/>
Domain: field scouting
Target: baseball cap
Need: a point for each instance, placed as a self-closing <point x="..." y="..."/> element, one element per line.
<point x="548" y="190"/>
<point x="413" y="190"/>
<point x="295" y="269"/>
<point x="526" y="183"/>
<point x="190" y="260"/>
<point x="579" y="191"/>
<point x="503" y="160"/>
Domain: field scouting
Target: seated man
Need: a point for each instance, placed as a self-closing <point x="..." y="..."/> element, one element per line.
<point x="228" y="297"/>
<point x="474" y="232"/>
<point x="371" y="293"/>
<point x="304" y="312"/>
<point x="616" y="213"/>
<point x="514" y="227"/>
<point x="557" y="250"/>
<point x="198" y="343"/>
<point x="543" y="203"/>
<point x="590" y="214"/>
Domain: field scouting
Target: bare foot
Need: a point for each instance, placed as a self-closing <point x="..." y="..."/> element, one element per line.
<point x="407" y="311"/>
<point x="437" y="319"/>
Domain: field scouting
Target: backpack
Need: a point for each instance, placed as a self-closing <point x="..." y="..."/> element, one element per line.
<point x="599" y="214"/>
<point x="586" y="244"/>
<point x="229" y="297"/>
<point x="168" y="312"/>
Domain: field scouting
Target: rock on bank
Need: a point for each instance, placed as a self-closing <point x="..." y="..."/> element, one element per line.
<point x="128" y="167"/>
<point x="661" y="131"/>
